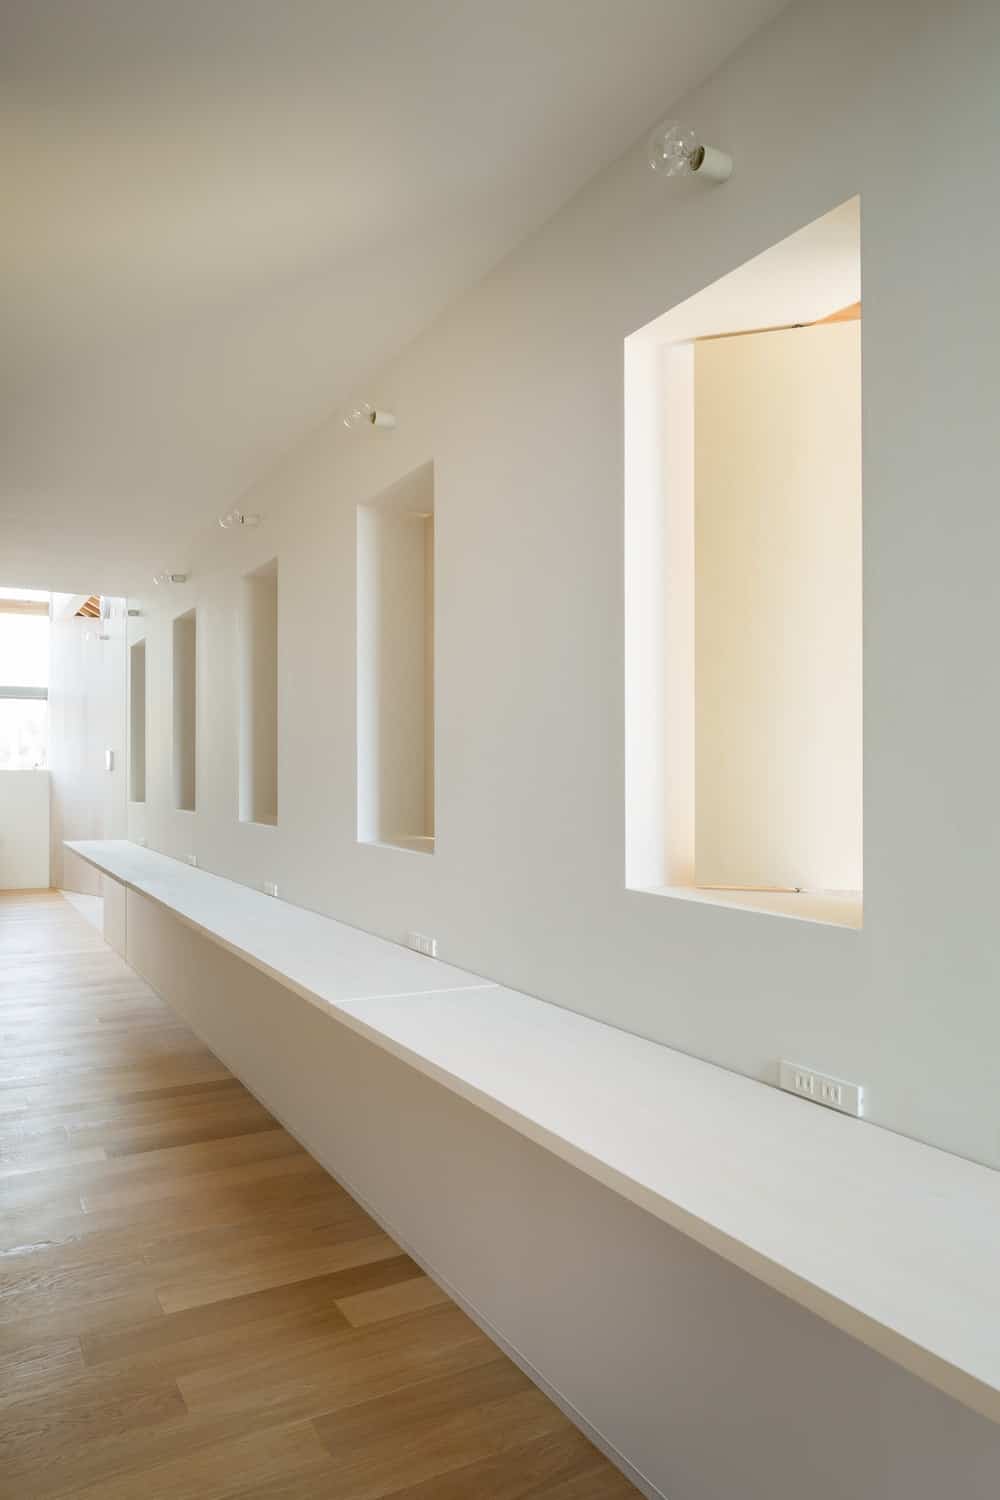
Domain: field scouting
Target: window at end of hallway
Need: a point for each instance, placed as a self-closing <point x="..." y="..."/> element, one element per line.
<point x="24" y="679"/>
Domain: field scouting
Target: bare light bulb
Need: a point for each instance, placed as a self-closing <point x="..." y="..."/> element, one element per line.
<point x="675" y="150"/>
<point x="671" y="148"/>
<point x="367" y="415"/>
<point x="238" y="518"/>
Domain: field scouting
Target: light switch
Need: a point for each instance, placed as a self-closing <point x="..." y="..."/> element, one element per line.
<point x="109" y="760"/>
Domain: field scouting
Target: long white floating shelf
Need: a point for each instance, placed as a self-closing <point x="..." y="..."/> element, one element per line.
<point x="894" y="1242"/>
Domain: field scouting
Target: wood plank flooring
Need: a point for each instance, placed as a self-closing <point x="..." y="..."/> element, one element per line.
<point x="190" y="1308"/>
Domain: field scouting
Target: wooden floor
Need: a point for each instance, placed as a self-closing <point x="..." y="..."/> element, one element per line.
<point x="190" y="1308"/>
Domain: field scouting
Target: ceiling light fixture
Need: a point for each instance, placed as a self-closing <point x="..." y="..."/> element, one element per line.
<point x="366" y="415"/>
<point x="239" y="518"/>
<point x="675" y="150"/>
<point x="170" y="578"/>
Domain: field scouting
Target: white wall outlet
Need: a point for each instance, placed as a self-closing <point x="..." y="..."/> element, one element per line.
<point x="419" y="941"/>
<point x="192" y="859"/>
<point x="269" y="888"/>
<point x="835" y="1093"/>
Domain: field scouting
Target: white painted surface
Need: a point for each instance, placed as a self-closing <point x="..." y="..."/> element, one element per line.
<point x="214" y="234"/>
<point x="777" y="464"/>
<point x="891" y="1241"/>
<point x="516" y="395"/>
<point x="692" y="1370"/>
<point x="24" y="830"/>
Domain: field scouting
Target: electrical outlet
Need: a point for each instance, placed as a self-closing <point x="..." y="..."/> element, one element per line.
<point x="269" y="888"/>
<point x="419" y="941"/>
<point x="192" y="859"/>
<point x="835" y="1093"/>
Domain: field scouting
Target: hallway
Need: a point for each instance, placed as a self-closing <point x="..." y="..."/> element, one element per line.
<point x="190" y="1306"/>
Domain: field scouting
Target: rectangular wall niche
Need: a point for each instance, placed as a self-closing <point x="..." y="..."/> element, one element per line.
<point x="137" y="722"/>
<point x="185" y="709"/>
<point x="743" y="585"/>
<point x="258" y="646"/>
<point x="396" y="665"/>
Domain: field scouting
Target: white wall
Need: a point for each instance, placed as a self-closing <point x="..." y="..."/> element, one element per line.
<point x="516" y="395"/>
<point x="24" y="830"/>
<point x="711" y="1385"/>
<point x="777" y="466"/>
<point x="86" y="719"/>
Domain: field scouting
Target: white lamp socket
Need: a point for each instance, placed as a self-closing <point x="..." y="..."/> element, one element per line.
<point x="714" y="166"/>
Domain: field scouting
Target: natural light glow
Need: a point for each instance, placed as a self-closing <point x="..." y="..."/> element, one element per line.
<point x="743" y="748"/>
<point x="24" y="664"/>
<point x="24" y="650"/>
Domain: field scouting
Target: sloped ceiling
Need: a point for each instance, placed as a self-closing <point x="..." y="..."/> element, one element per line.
<point x="220" y="214"/>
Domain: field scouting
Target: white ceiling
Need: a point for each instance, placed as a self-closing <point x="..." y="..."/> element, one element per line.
<point x="219" y="215"/>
